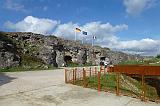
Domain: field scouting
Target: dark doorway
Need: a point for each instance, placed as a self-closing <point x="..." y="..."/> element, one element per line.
<point x="102" y="58"/>
<point x="68" y="59"/>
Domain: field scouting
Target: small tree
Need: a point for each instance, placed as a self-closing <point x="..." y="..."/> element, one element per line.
<point x="158" y="56"/>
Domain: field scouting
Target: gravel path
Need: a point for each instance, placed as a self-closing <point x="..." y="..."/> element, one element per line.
<point x="47" y="88"/>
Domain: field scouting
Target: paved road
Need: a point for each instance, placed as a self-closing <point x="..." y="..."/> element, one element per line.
<point x="47" y="88"/>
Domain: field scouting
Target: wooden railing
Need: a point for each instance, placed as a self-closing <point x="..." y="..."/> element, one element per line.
<point x="137" y="69"/>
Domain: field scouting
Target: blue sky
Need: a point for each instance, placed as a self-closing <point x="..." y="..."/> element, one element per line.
<point x="116" y="23"/>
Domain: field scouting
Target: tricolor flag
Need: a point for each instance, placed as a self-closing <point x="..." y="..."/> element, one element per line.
<point x="84" y="33"/>
<point x="94" y="37"/>
<point x="78" y="30"/>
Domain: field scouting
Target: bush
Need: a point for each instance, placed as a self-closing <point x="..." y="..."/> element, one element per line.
<point x="72" y="64"/>
<point x="130" y="63"/>
<point x="158" y="56"/>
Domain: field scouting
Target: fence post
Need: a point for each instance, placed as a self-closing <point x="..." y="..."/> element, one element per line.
<point x="118" y="81"/>
<point x="90" y="70"/>
<point x="143" y="88"/>
<point x="84" y="77"/>
<point x="105" y="70"/>
<point x="65" y="75"/>
<point x="73" y="76"/>
<point x="101" y="68"/>
<point x="99" y="81"/>
<point x="95" y="70"/>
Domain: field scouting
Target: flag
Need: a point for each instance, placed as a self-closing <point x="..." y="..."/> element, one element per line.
<point x="94" y="37"/>
<point x="84" y="33"/>
<point x="78" y="30"/>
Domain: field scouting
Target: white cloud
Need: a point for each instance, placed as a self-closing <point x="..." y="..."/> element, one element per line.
<point x="105" y="33"/>
<point x="13" y="5"/>
<point x="135" y="7"/>
<point x="33" y="24"/>
<point x="144" y="46"/>
<point x="93" y="28"/>
<point x="66" y="31"/>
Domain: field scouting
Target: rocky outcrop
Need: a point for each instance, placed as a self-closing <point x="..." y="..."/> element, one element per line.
<point x="53" y="51"/>
<point x="8" y="52"/>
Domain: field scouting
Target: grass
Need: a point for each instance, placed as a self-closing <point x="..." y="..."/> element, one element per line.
<point x="130" y="63"/>
<point x="108" y="82"/>
<point x="154" y="62"/>
<point x="29" y="60"/>
<point x="21" y="68"/>
<point x="151" y="62"/>
<point x="72" y="64"/>
<point x="87" y="64"/>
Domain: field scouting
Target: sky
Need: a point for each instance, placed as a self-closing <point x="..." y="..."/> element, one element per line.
<point x="131" y="26"/>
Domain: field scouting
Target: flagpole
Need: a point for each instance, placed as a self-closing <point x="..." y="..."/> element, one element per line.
<point x="92" y="41"/>
<point x="82" y="38"/>
<point x="75" y="36"/>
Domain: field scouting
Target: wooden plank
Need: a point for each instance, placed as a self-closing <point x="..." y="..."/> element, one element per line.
<point x="135" y="69"/>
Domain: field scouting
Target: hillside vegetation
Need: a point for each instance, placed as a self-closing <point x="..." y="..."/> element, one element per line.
<point x="154" y="61"/>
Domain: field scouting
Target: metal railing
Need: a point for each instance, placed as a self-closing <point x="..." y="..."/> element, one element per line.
<point x="132" y="80"/>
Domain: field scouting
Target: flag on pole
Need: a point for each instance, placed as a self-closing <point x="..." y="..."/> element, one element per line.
<point x="94" y="37"/>
<point x="78" y="30"/>
<point x="84" y="33"/>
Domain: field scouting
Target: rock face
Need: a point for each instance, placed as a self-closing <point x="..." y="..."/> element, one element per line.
<point x="53" y="51"/>
<point x="8" y="52"/>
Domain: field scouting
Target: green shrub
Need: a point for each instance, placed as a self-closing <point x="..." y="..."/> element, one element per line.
<point x="158" y="56"/>
<point x="130" y="63"/>
<point x="72" y="64"/>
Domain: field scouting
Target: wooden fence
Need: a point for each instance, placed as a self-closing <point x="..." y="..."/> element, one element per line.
<point x="141" y="72"/>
